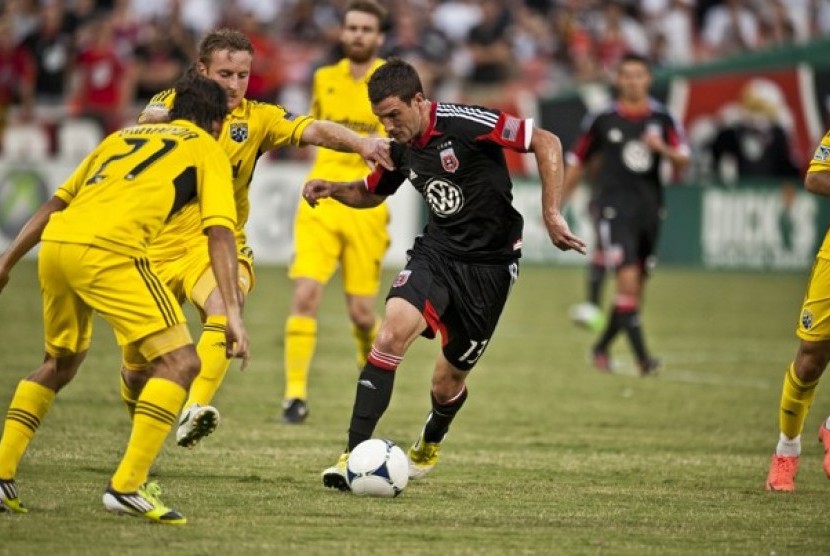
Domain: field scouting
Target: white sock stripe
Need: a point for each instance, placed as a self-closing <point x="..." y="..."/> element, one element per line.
<point x="387" y="358"/>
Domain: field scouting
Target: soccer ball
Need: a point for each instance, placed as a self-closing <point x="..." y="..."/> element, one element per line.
<point x="377" y="467"/>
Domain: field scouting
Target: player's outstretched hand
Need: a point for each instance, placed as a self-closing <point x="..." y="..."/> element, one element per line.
<point x="561" y="236"/>
<point x="237" y="343"/>
<point x="375" y="150"/>
<point x="314" y="190"/>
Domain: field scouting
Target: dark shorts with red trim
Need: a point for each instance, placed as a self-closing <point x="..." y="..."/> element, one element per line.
<point x="460" y="300"/>
<point x="628" y="239"/>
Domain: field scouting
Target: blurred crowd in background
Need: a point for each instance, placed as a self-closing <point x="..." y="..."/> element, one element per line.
<point x="101" y="60"/>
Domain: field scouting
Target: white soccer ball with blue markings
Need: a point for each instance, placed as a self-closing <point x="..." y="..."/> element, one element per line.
<point x="377" y="467"/>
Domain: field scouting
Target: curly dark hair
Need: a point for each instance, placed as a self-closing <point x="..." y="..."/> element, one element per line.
<point x="200" y="100"/>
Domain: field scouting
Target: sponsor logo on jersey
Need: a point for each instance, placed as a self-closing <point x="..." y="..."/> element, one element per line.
<point x="239" y="131"/>
<point x="401" y="278"/>
<point x="449" y="162"/>
<point x="443" y="197"/>
<point x="637" y="156"/>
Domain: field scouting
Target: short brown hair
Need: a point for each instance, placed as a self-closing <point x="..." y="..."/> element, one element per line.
<point x="369" y="7"/>
<point x="223" y="39"/>
<point x="395" y="78"/>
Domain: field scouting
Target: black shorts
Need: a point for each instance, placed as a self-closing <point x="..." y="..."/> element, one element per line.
<point x="462" y="301"/>
<point x="628" y="239"/>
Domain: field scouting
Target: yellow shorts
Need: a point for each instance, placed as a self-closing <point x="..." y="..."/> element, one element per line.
<point x="190" y="277"/>
<point x="332" y="234"/>
<point x="78" y="279"/>
<point x="814" y="320"/>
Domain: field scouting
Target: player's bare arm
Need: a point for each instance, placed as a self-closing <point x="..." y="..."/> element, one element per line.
<point x="678" y="157"/>
<point x="374" y="150"/>
<point x="223" y="260"/>
<point x="353" y="194"/>
<point x="818" y="183"/>
<point x="28" y="237"/>
<point x="547" y="149"/>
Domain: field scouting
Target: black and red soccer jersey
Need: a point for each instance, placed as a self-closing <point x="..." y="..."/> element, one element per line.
<point x="458" y="166"/>
<point x="627" y="175"/>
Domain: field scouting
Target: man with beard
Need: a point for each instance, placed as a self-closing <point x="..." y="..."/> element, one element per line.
<point x="334" y="234"/>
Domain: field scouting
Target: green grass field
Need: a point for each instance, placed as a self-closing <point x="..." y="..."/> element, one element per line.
<point x="548" y="456"/>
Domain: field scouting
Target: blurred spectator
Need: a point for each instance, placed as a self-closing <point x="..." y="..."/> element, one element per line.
<point x="775" y="25"/>
<point x="490" y="50"/>
<point x="22" y="17"/>
<point x="752" y="141"/>
<point x="199" y="16"/>
<point x="575" y="52"/>
<point x="455" y="18"/>
<point x="730" y="28"/>
<point x="103" y="82"/>
<point x="616" y="35"/>
<point x="413" y="38"/>
<point x="673" y="30"/>
<point x="266" y="77"/>
<point x="17" y="75"/>
<point x="52" y="49"/>
<point x="159" y="60"/>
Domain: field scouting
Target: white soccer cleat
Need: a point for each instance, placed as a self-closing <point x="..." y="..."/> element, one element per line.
<point x="197" y="421"/>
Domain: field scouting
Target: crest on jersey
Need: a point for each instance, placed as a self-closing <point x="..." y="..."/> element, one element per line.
<point x="449" y="162"/>
<point x="822" y="153"/>
<point x="401" y="278"/>
<point x="239" y="131"/>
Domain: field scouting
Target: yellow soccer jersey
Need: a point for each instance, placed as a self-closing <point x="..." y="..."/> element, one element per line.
<point x="121" y="195"/>
<point x="821" y="163"/>
<point x="336" y="96"/>
<point x="249" y="131"/>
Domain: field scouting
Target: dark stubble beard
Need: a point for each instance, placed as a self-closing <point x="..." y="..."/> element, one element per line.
<point x="359" y="55"/>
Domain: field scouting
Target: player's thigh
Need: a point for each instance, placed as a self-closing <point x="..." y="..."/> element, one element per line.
<point x="317" y="247"/>
<point x="419" y="285"/>
<point x="479" y="294"/>
<point x="814" y="319"/>
<point x="365" y="244"/>
<point x="200" y="286"/>
<point x="67" y="319"/>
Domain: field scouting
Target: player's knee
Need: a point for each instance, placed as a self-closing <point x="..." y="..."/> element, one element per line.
<point x="57" y="372"/>
<point x="180" y="366"/>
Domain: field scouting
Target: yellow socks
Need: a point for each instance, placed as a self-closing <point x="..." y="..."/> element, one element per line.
<point x="300" y="341"/>
<point x="29" y="406"/>
<point x="796" y="397"/>
<point x="211" y="350"/>
<point x="155" y="413"/>
<point x="364" y="340"/>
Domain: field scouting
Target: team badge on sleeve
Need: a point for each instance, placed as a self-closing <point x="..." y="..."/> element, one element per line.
<point x="239" y="131"/>
<point x="806" y="319"/>
<point x="449" y="162"/>
<point x="401" y="278"/>
<point x="822" y="153"/>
